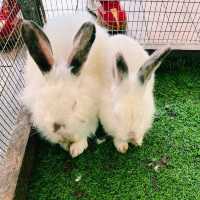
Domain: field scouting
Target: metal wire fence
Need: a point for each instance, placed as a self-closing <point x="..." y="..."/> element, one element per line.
<point x="12" y="61"/>
<point x="11" y="78"/>
<point x="151" y="22"/>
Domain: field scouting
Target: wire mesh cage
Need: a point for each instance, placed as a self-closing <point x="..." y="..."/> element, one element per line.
<point x="11" y="78"/>
<point x="12" y="58"/>
<point x="152" y="22"/>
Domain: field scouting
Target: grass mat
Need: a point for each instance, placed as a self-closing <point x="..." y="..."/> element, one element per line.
<point x="166" y="167"/>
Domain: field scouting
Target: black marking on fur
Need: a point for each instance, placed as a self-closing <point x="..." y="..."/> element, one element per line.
<point x="92" y="13"/>
<point x="86" y="36"/>
<point x="57" y="126"/>
<point x="31" y="33"/>
<point x="154" y="61"/>
<point x="141" y="78"/>
<point x="122" y="67"/>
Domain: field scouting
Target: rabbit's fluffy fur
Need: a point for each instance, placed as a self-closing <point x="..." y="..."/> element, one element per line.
<point x="63" y="106"/>
<point x="127" y="105"/>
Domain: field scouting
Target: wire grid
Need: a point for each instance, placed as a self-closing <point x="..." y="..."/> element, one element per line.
<point x="12" y="56"/>
<point x="152" y="22"/>
<point x="12" y="60"/>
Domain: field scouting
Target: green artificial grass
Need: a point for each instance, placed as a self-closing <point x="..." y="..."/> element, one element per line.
<point x="166" y="167"/>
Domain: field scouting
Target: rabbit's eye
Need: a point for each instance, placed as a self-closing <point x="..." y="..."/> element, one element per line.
<point x="57" y="126"/>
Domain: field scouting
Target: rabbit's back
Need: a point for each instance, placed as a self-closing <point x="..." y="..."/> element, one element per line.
<point x="133" y="53"/>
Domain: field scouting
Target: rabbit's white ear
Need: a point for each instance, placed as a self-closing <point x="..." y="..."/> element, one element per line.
<point x="153" y="62"/>
<point x="83" y="41"/>
<point x="122" y="67"/>
<point x="38" y="45"/>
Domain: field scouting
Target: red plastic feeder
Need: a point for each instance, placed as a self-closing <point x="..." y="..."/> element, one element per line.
<point x="9" y="22"/>
<point x="112" y="15"/>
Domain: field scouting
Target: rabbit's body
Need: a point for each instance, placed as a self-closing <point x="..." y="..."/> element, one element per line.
<point x="64" y="106"/>
<point x="54" y="102"/>
<point x="127" y="105"/>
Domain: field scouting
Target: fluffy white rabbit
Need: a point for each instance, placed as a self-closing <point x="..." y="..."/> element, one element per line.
<point x="63" y="78"/>
<point x="127" y="104"/>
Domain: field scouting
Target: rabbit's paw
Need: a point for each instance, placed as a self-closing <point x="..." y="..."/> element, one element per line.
<point x="121" y="146"/>
<point x="136" y="139"/>
<point x="77" y="148"/>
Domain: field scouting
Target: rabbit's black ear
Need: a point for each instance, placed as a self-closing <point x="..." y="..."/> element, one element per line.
<point x="122" y="67"/>
<point x="83" y="41"/>
<point x="154" y="61"/>
<point x="38" y="45"/>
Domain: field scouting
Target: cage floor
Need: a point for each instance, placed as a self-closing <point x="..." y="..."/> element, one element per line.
<point x="152" y="22"/>
<point x="165" y="167"/>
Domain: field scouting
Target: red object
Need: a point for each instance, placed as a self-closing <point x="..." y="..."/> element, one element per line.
<point x="112" y="15"/>
<point x="8" y="17"/>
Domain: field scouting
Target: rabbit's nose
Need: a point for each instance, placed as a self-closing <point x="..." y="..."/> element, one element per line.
<point x="58" y="126"/>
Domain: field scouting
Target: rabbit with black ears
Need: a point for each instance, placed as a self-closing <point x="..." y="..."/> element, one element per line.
<point x="62" y="79"/>
<point x="127" y="103"/>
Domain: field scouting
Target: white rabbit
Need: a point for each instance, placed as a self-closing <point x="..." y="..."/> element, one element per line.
<point x="127" y="103"/>
<point x="63" y="80"/>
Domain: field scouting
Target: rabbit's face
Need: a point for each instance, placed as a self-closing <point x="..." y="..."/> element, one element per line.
<point x="62" y="105"/>
<point x="128" y="107"/>
<point x="63" y="112"/>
